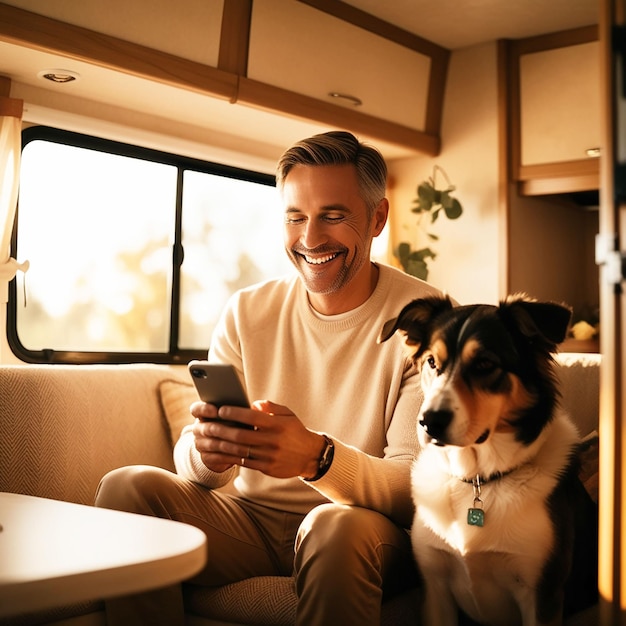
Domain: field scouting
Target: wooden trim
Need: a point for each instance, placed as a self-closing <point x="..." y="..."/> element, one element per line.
<point x="584" y="167"/>
<point x="558" y="184"/>
<point x="514" y="109"/>
<point x="612" y="516"/>
<point x="375" y="25"/>
<point x="504" y="169"/>
<point x="11" y="107"/>
<point x="436" y="92"/>
<point x="5" y="86"/>
<point x="268" y="97"/>
<point x="562" y="39"/>
<point x="235" y="37"/>
<point x="42" y="33"/>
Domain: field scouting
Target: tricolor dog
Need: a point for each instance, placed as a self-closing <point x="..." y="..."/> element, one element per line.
<point x="503" y="528"/>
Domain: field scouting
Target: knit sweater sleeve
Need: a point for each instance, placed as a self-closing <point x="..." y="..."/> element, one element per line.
<point x="358" y="479"/>
<point x="383" y="484"/>
<point x="189" y="464"/>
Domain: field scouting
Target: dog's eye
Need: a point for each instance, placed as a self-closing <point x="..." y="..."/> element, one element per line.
<point x="484" y="365"/>
<point x="431" y="362"/>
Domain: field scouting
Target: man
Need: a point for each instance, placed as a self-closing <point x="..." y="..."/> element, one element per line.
<point x="323" y="478"/>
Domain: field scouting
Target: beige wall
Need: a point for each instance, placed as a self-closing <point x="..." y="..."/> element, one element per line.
<point x="468" y="258"/>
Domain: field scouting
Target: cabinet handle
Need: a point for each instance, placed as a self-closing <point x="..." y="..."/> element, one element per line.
<point x="357" y="102"/>
<point x="593" y="152"/>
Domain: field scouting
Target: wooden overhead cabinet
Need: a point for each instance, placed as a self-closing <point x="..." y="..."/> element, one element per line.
<point x="315" y="54"/>
<point x="560" y="104"/>
<point x="556" y="112"/>
<point x="349" y="69"/>
<point x="281" y="56"/>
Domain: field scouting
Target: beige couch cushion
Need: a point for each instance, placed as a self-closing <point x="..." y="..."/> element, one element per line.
<point x="176" y="398"/>
<point x="62" y="427"/>
<point x="579" y="379"/>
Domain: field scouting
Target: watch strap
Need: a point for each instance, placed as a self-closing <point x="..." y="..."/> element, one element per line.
<point x="325" y="460"/>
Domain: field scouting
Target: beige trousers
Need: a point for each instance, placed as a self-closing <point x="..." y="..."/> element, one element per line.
<point x="343" y="557"/>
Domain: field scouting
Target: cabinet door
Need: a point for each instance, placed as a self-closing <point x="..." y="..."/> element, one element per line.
<point x="189" y="30"/>
<point x="559" y="104"/>
<point x="312" y="53"/>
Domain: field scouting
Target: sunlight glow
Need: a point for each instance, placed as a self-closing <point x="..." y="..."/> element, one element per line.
<point x="98" y="231"/>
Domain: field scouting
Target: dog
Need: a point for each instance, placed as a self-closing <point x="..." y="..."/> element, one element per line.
<point x="504" y="533"/>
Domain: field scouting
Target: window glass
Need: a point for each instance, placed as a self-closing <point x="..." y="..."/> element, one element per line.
<point x="232" y="238"/>
<point x="97" y="229"/>
<point x="99" y="226"/>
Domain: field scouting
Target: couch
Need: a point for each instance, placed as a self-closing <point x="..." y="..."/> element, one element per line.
<point x="62" y="427"/>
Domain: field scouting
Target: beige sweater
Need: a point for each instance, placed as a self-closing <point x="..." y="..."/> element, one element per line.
<point x="332" y="373"/>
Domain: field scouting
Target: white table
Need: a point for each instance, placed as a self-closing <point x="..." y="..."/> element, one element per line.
<point x="55" y="553"/>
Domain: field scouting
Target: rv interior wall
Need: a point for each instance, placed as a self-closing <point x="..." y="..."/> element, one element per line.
<point x="468" y="255"/>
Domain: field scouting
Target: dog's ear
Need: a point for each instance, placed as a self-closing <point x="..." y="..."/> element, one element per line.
<point x="415" y="318"/>
<point x="547" y="321"/>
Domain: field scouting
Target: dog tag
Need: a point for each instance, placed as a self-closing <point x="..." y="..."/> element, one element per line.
<point x="476" y="515"/>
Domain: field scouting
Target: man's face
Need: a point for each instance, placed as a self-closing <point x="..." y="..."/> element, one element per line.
<point x="328" y="235"/>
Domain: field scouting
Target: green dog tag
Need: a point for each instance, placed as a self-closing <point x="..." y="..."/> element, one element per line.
<point x="476" y="515"/>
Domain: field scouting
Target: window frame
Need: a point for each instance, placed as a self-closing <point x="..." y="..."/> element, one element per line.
<point x="175" y="355"/>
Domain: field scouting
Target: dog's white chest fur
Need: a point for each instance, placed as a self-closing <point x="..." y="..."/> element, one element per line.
<point x="491" y="570"/>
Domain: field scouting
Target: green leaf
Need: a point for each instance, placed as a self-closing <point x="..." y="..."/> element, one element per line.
<point x="446" y="200"/>
<point x="404" y="248"/>
<point x="402" y="251"/>
<point x="419" y="269"/>
<point x="426" y="196"/>
<point x="434" y="201"/>
<point x="414" y="261"/>
<point x="422" y="254"/>
<point x="425" y="191"/>
<point x="455" y="209"/>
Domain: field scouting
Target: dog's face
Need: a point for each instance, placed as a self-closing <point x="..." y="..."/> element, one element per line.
<point x="484" y="369"/>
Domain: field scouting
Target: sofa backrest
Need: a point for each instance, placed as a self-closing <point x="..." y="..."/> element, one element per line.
<point x="62" y="427"/>
<point x="579" y="378"/>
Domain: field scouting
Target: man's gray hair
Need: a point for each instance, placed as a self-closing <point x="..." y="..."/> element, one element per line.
<point x="339" y="148"/>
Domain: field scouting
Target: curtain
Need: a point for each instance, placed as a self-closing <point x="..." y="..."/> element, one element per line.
<point x="10" y="151"/>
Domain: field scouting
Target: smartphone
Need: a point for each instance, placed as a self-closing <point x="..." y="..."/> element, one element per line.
<point x="219" y="384"/>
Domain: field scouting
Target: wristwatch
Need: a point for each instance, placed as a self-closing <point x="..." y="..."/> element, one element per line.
<point x="325" y="460"/>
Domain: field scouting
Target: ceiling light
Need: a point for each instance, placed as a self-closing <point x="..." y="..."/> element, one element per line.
<point x="357" y="102"/>
<point x="59" y="76"/>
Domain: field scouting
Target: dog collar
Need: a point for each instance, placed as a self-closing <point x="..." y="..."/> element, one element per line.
<point x="481" y="480"/>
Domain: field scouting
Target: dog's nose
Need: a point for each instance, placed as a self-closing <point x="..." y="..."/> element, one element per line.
<point x="436" y="421"/>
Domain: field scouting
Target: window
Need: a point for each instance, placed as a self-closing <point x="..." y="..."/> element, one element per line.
<point x="133" y="253"/>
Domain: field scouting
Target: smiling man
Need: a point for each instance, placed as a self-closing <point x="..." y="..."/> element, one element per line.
<point x="329" y="229"/>
<point x="322" y="481"/>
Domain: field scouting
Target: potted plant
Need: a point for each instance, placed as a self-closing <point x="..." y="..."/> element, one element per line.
<point x="430" y="201"/>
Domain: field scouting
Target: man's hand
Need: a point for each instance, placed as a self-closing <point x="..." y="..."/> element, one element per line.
<point x="279" y="445"/>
